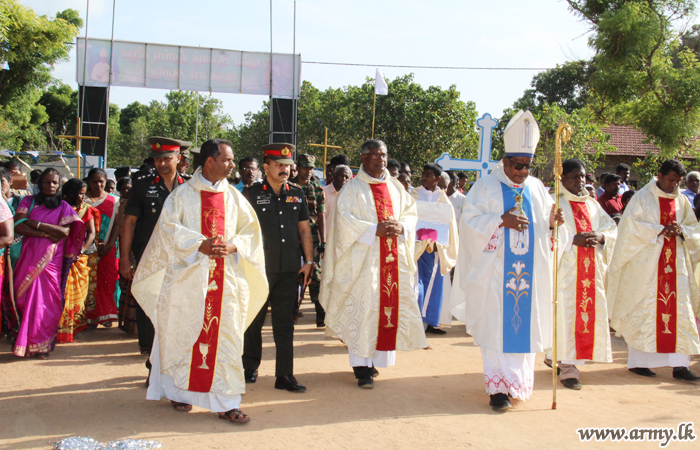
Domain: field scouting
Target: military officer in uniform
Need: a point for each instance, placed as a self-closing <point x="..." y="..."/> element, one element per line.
<point x="146" y="198"/>
<point x="284" y="220"/>
<point x="315" y="200"/>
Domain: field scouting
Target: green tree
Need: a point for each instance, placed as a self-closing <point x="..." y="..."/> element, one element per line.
<point x="565" y="86"/>
<point x="60" y="102"/>
<point x="645" y="74"/>
<point x="32" y="45"/>
<point x="417" y="124"/>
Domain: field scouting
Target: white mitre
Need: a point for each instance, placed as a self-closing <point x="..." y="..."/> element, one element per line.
<point x="522" y="135"/>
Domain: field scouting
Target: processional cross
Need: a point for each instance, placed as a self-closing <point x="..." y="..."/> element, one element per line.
<point x="325" y="149"/>
<point x="78" y="138"/>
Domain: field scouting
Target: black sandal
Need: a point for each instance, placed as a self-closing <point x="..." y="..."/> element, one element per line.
<point x="181" y="407"/>
<point x="235" y="416"/>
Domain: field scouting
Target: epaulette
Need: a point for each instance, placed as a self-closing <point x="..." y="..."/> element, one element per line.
<point x="294" y="185"/>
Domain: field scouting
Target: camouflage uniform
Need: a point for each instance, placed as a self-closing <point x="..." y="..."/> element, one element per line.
<point x="315" y="200"/>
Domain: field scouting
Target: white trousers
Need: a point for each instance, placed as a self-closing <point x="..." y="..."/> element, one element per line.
<point x="381" y="359"/>
<point x="161" y="385"/>
<point x="638" y="358"/>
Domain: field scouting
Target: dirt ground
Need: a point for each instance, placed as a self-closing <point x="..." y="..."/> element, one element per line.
<point x="431" y="399"/>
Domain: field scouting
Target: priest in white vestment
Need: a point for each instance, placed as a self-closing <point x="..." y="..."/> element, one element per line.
<point x="202" y="281"/>
<point x="582" y="316"/>
<point x="653" y="297"/>
<point x="503" y="278"/>
<point x="436" y="249"/>
<point x="367" y="284"/>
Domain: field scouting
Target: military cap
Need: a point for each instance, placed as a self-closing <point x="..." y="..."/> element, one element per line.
<point x="305" y="160"/>
<point x="162" y="146"/>
<point x="281" y="152"/>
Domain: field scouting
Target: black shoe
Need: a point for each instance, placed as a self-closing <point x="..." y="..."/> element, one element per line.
<point x="300" y="314"/>
<point x="289" y="383"/>
<point x="365" y="382"/>
<point x="499" y="402"/>
<point x="375" y="372"/>
<point x="320" y="324"/>
<point x="251" y="376"/>
<point x="643" y="371"/>
<point x="684" y="373"/>
<point x="572" y="383"/>
<point x="433" y="330"/>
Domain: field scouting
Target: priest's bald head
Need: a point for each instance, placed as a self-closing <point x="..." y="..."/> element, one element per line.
<point x="520" y="138"/>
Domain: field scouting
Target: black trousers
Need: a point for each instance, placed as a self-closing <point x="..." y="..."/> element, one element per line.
<point x="282" y="300"/>
<point x="146" y="330"/>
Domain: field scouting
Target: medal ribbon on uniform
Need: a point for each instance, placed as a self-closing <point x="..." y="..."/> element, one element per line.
<point x="584" y="325"/>
<point x="666" y="293"/>
<point x="205" y="348"/>
<point x="388" y="272"/>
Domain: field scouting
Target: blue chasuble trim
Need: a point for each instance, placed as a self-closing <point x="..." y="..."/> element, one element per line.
<point x="518" y="263"/>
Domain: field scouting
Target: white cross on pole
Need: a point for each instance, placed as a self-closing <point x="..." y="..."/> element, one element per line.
<point x="484" y="165"/>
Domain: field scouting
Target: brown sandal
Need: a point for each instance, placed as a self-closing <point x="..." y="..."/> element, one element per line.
<point x="42" y="355"/>
<point x="235" y="416"/>
<point x="181" y="407"/>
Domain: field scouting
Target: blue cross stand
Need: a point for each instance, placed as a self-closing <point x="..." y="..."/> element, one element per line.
<point x="484" y="165"/>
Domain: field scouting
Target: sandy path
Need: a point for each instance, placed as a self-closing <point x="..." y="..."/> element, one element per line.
<point x="431" y="399"/>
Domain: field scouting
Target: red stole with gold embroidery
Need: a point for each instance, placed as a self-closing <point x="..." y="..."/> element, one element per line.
<point x="205" y="348"/>
<point x="666" y="284"/>
<point x="388" y="272"/>
<point x="584" y="328"/>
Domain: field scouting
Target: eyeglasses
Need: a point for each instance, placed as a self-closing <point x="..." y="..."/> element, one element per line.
<point x="518" y="166"/>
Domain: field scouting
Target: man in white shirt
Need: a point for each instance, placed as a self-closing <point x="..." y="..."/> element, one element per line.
<point x="341" y="175"/>
<point x="692" y="184"/>
<point x="456" y="197"/>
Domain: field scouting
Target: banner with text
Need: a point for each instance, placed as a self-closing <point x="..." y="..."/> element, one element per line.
<point x="158" y="66"/>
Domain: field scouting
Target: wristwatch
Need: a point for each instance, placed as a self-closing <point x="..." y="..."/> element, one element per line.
<point x="310" y="262"/>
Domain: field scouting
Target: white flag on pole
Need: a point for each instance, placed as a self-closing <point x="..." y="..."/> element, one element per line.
<point x="380" y="86"/>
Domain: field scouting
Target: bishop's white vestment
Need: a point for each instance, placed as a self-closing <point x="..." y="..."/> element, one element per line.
<point x="200" y="307"/>
<point x="367" y="284"/>
<point x="653" y="297"/>
<point x="503" y="280"/>
<point x="582" y="315"/>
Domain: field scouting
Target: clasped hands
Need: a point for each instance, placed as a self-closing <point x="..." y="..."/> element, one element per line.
<point x="517" y="222"/>
<point x="215" y="247"/>
<point x="671" y="230"/>
<point x="588" y="239"/>
<point x="389" y="228"/>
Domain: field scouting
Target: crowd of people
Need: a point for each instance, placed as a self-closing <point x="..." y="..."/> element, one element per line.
<point x="193" y="263"/>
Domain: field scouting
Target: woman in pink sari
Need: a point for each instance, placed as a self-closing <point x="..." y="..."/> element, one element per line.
<point x="53" y="236"/>
<point x="101" y="304"/>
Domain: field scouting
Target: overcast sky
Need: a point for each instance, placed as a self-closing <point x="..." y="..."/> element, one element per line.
<point x="497" y="33"/>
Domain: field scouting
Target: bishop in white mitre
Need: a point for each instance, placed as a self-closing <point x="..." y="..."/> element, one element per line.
<point x="582" y="316"/>
<point x="367" y="284"/>
<point x="202" y="281"/>
<point x="435" y="250"/>
<point x="503" y="278"/>
<point x="653" y="296"/>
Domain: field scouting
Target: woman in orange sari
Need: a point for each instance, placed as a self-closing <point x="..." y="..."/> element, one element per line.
<point x="101" y="305"/>
<point x="73" y="319"/>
